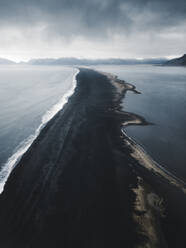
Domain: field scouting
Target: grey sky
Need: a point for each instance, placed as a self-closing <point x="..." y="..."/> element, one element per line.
<point x="93" y="29"/>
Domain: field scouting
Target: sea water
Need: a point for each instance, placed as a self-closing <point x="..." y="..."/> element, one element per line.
<point x="29" y="97"/>
<point x="162" y="102"/>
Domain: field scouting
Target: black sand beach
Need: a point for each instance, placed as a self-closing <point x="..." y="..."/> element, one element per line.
<point x="84" y="183"/>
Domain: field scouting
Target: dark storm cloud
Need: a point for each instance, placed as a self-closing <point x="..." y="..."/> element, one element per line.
<point x="94" y="28"/>
<point x="87" y="18"/>
<point x="65" y="17"/>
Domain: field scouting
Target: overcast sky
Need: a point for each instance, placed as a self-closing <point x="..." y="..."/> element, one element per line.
<point x="92" y="28"/>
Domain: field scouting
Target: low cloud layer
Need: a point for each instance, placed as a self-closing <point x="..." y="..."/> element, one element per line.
<point x="97" y="28"/>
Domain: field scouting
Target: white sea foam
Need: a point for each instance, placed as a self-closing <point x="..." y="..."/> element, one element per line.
<point x="23" y="147"/>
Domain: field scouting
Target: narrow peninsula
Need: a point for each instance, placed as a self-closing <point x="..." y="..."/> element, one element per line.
<point x="85" y="183"/>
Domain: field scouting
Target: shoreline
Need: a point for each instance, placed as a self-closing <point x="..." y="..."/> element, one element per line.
<point x="137" y="151"/>
<point x="148" y="206"/>
<point x="78" y="183"/>
<point x="149" y="163"/>
<point x="25" y="144"/>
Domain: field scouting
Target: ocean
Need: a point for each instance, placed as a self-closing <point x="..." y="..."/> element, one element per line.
<point x="162" y="102"/>
<point x="29" y="97"/>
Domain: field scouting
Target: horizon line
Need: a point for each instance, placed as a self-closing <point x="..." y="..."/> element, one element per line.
<point x="89" y="58"/>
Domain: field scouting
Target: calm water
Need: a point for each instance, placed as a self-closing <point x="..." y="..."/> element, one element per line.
<point x="162" y="102"/>
<point x="29" y="97"/>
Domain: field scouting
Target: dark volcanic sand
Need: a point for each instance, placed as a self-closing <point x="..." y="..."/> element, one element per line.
<point x="72" y="188"/>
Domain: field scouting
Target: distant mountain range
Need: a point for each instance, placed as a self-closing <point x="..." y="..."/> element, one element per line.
<point x="76" y="61"/>
<point x="181" y="61"/>
<point x="6" y="62"/>
<point x="89" y="62"/>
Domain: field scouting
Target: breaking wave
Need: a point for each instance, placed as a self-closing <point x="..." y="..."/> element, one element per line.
<point x="23" y="147"/>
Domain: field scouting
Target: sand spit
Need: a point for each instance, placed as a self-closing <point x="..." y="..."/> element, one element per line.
<point x="77" y="186"/>
<point x="120" y="85"/>
<point x="147" y="162"/>
<point x="148" y="209"/>
<point x="72" y="187"/>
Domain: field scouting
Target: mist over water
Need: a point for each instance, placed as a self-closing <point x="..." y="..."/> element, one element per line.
<point x="162" y="102"/>
<point x="29" y="97"/>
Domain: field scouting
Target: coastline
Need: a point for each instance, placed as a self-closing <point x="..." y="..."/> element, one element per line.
<point x="79" y="181"/>
<point x="149" y="206"/>
<point x="25" y="144"/>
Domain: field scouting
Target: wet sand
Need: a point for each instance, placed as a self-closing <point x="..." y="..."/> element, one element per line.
<point x="78" y="184"/>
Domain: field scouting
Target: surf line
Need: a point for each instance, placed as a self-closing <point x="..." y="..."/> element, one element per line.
<point x="24" y="146"/>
